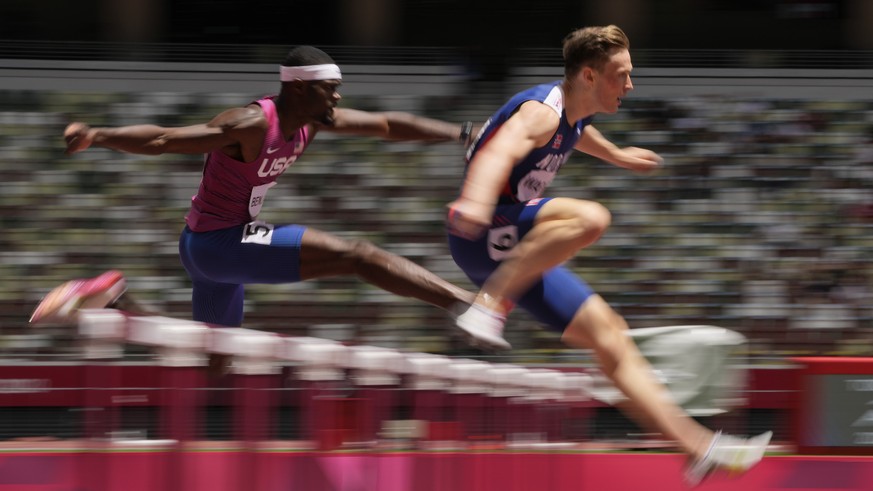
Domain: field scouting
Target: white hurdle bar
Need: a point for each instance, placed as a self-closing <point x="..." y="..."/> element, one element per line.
<point x="452" y="399"/>
<point x="427" y="383"/>
<point x="317" y="373"/>
<point x="469" y="387"/>
<point x="376" y="374"/>
<point x="506" y="392"/>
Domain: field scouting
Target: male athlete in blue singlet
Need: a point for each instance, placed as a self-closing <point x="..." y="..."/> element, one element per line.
<point x="223" y="245"/>
<point x="512" y="242"/>
<point x="518" y="203"/>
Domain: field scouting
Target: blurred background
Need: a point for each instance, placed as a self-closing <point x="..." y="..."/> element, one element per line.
<point x="760" y="221"/>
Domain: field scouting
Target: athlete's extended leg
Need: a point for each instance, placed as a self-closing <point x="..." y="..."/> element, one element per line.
<point x="597" y="326"/>
<point x="324" y="255"/>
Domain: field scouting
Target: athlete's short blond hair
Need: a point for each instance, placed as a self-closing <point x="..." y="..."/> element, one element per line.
<point x="592" y="46"/>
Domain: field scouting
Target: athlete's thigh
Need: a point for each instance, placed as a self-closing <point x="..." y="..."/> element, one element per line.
<point x="564" y="208"/>
<point x="556" y="298"/>
<point x="217" y="303"/>
<point x="480" y="257"/>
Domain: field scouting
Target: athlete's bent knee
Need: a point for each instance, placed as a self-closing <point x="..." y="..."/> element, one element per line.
<point x="589" y="222"/>
<point x="599" y="216"/>
<point x="595" y="219"/>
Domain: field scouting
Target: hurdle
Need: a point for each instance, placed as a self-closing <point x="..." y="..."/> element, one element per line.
<point x="445" y="399"/>
<point x="368" y="400"/>
<point x="310" y="411"/>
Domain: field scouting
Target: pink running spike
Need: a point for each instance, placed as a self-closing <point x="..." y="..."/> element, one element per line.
<point x="61" y="304"/>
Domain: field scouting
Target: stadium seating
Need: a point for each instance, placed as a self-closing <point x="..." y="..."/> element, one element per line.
<point x="759" y="221"/>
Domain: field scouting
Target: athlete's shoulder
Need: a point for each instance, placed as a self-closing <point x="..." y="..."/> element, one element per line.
<point x="540" y="91"/>
<point x="250" y="115"/>
<point x="265" y="107"/>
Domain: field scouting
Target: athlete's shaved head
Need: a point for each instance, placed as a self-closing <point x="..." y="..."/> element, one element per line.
<point x="306" y="56"/>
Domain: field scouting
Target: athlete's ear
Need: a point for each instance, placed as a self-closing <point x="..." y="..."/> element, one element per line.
<point x="588" y="75"/>
<point x="295" y="86"/>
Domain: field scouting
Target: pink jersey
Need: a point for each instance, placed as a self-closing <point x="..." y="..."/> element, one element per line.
<point x="232" y="192"/>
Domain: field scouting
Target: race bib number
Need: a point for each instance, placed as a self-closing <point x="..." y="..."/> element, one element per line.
<point x="501" y="240"/>
<point x="256" y="200"/>
<point x="534" y="184"/>
<point x="258" y="233"/>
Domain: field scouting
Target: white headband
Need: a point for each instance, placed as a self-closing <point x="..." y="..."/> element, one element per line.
<point x="309" y="72"/>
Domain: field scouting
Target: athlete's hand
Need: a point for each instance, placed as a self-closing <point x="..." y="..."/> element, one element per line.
<point x="78" y="137"/>
<point x="640" y="159"/>
<point x="469" y="219"/>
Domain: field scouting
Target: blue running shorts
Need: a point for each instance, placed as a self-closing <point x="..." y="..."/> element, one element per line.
<point x="221" y="262"/>
<point x="555" y="299"/>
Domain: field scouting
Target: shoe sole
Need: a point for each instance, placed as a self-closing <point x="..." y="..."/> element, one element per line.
<point x="696" y="471"/>
<point x="107" y="297"/>
<point x="480" y="342"/>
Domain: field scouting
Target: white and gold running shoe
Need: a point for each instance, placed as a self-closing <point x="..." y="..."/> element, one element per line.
<point x="729" y="453"/>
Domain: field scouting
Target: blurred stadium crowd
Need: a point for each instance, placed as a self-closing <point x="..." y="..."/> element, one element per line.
<point x="760" y="221"/>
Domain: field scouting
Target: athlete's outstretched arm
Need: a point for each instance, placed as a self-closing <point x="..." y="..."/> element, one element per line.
<point x="634" y="158"/>
<point x="394" y="125"/>
<point x="230" y="128"/>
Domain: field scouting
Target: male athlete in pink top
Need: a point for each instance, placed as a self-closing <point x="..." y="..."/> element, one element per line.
<point x="224" y="246"/>
<point x="232" y="192"/>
